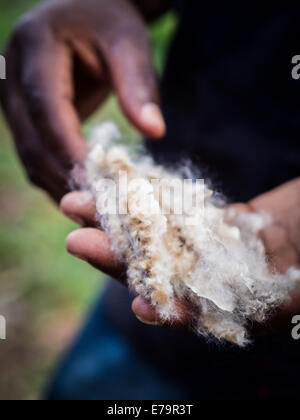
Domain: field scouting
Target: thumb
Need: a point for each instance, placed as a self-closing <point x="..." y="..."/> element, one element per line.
<point x="134" y="78"/>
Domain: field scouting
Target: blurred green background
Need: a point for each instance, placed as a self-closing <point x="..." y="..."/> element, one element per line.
<point x="44" y="292"/>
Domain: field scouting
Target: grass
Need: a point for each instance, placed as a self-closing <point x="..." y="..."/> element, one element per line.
<point x="44" y="292"/>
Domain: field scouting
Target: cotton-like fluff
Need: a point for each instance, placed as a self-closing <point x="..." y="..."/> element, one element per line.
<point x="219" y="269"/>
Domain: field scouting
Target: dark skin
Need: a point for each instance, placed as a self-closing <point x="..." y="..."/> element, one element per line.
<point x="63" y="60"/>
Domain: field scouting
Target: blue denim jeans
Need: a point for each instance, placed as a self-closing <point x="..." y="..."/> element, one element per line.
<point x="102" y="365"/>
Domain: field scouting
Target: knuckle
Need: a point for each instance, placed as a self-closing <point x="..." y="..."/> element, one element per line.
<point x="36" y="99"/>
<point x="147" y="76"/>
<point x="30" y="156"/>
<point x="28" y="30"/>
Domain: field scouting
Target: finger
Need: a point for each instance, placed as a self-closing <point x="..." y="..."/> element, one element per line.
<point x="94" y="247"/>
<point x="148" y="314"/>
<point x="145" y="312"/>
<point x="233" y="211"/>
<point x="129" y="59"/>
<point x="241" y="208"/>
<point x="47" y="83"/>
<point x="91" y="81"/>
<point x="42" y="169"/>
<point x="80" y="206"/>
<point x="279" y="251"/>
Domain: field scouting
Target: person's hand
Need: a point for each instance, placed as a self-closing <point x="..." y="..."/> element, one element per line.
<point x="281" y="239"/>
<point x="62" y="61"/>
<point x="92" y="245"/>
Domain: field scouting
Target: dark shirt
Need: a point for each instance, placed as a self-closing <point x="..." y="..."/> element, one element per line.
<point x="231" y="107"/>
<point x="230" y="101"/>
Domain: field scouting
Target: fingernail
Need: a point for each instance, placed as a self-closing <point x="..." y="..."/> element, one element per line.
<point x="151" y="116"/>
<point x="72" y="241"/>
<point x="145" y="321"/>
<point x="83" y="197"/>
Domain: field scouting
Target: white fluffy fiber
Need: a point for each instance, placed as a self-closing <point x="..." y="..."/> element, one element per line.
<point x="219" y="269"/>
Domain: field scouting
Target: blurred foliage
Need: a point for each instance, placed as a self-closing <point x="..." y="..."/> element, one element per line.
<point x="43" y="290"/>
